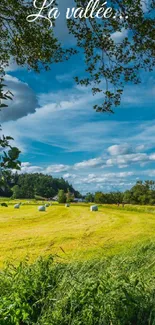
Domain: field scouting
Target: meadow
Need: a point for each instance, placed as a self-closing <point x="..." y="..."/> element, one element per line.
<point x="70" y="266"/>
<point x="73" y="233"/>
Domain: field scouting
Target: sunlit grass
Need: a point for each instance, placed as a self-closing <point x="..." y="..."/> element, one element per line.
<point x="71" y="233"/>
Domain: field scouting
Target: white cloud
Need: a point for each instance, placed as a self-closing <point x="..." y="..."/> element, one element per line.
<point x="149" y="173"/>
<point x="125" y="160"/>
<point x="106" y="177"/>
<point x="128" y="159"/>
<point x="26" y="167"/>
<point x="119" y="36"/>
<point x="56" y="168"/>
<point x="145" y="4"/>
<point x="13" y="66"/>
<point x="120" y="149"/>
<point x="24" y="100"/>
<point x="89" y="163"/>
<point x="152" y="156"/>
<point x="68" y="175"/>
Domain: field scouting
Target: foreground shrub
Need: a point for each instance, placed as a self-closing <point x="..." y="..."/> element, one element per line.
<point x="115" y="291"/>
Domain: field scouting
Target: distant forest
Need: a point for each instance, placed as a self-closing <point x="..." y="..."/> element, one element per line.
<point x="140" y="193"/>
<point x="37" y="185"/>
<point x="30" y="186"/>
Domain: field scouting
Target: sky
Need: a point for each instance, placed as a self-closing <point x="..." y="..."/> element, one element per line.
<point x="54" y="125"/>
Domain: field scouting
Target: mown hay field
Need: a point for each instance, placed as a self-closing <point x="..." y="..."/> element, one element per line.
<point x="72" y="233"/>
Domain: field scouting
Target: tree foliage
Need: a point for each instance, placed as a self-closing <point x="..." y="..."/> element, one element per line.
<point x="110" y="64"/>
<point x="141" y="193"/>
<point x="28" y="44"/>
<point x="108" y="198"/>
<point x="61" y="196"/>
<point x="89" y="197"/>
<point x="8" y="154"/>
<point x="36" y="185"/>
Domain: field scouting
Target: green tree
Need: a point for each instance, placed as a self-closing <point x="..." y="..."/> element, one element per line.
<point x="16" y="192"/>
<point x="98" y="198"/>
<point x="34" y="185"/>
<point x="89" y="197"/>
<point x="61" y="196"/>
<point x="69" y="196"/>
<point x="141" y="193"/>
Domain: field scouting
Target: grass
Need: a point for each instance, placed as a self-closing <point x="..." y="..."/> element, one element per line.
<point x="116" y="290"/>
<point x="72" y="233"/>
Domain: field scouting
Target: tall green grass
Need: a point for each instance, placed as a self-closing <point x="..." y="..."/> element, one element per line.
<point x="130" y="207"/>
<point x="113" y="291"/>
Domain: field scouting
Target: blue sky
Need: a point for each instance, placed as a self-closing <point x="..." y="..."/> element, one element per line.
<point x="53" y="123"/>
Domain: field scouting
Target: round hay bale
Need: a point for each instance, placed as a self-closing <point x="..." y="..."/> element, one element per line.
<point x="67" y="205"/>
<point x="47" y="205"/>
<point x="17" y="206"/>
<point x="94" y="208"/>
<point x="41" y="208"/>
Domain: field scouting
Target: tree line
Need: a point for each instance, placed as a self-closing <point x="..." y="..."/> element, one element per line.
<point x="45" y="186"/>
<point x="141" y="193"/>
<point x="35" y="185"/>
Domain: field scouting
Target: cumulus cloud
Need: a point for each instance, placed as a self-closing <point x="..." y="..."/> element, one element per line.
<point x="120" y="149"/>
<point x="56" y="168"/>
<point x="68" y="175"/>
<point x="152" y="156"/>
<point x="26" y="167"/>
<point x="24" y="100"/>
<point x="125" y="160"/>
<point x="149" y="173"/>
<point x="89" y="163"/>
<point x="106" y="177"/>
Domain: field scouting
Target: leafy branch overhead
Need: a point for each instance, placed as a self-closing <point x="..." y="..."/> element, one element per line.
<point x="110" y="62"/>
<point x="9" y="157"/>
<point x="32" y="44"/>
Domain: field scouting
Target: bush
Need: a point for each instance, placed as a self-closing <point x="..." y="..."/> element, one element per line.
<point x="118" y="291"/>
<point x="61" y="196"/>
<point x="4" y="204"/>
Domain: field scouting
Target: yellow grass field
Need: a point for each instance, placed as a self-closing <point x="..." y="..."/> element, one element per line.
<point x="71" y="233"/>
